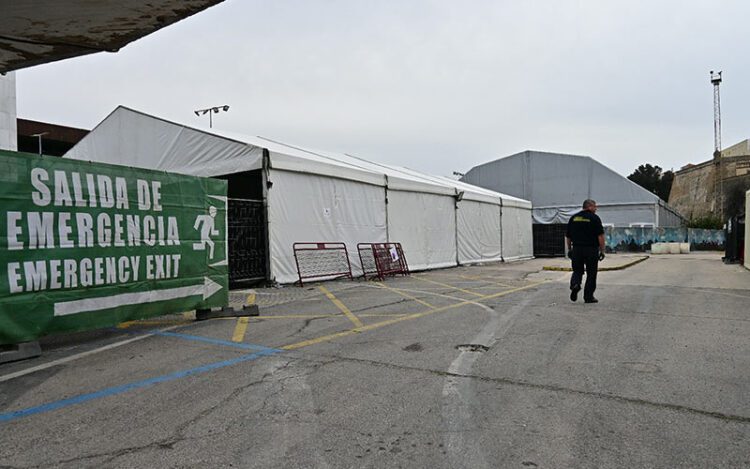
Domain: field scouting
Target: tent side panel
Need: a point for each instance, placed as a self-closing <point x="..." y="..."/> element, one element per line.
<point x="627" y="215"/>
<point x="425" y="226"/>
<point x="668" y="218"/>
<point x="478" y="232"/>
<point x="518" y="240"/>
<point x="310" y="208"/>
<point x="617" y="215"/>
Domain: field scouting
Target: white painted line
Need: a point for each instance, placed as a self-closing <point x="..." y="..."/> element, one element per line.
<point x="71" y="358"/>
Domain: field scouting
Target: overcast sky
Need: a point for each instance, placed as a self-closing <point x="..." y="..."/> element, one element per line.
<point x="438" y="86"/>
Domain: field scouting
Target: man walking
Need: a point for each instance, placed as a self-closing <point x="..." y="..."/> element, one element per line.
<point x="585" y="240"/>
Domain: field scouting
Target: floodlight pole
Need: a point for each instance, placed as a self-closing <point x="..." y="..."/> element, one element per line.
<point x="39" y="137"/>
<point x="210" y="111"/>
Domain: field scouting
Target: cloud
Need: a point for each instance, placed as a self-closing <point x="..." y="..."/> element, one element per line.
<point x="435" y="85"/>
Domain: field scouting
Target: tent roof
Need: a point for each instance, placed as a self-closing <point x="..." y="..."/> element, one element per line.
<point x="558" y="180"/>
<point x="129" y="137"/>
<point x="34" y="32"/>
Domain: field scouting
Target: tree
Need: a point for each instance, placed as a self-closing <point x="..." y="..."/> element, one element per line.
<point x="653" y="180"/>
<point x="665" y="185"/>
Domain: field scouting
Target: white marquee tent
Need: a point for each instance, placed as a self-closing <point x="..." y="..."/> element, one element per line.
<point x="314" y="196"/>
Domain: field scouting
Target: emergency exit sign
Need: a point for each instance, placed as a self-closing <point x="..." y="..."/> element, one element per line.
<point x="86" y="245"/>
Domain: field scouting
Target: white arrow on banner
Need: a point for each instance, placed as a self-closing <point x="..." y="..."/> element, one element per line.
<point x="206" y="289"/>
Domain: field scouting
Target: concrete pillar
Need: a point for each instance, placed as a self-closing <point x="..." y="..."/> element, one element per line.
<point x="8" y="126"/>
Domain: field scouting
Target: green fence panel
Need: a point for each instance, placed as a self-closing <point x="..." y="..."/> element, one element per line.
<point x="86" y="245"/>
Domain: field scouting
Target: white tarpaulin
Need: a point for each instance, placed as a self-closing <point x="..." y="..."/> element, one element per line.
<point x="315" y="196"/>
<point x="479" y="232"/>
<point x="425" y="226"/>
<point x="311" y="208"/>
<point x="517" y="233"/>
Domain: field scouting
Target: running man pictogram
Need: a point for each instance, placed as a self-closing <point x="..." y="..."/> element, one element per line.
<point x="207" y="230"/>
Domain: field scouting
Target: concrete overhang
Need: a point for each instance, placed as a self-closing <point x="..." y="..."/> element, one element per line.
<point x="34" y="32"/>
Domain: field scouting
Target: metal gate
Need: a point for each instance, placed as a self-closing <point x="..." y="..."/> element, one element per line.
<point x="247" y="241"/>
<point x="549" y="240"/>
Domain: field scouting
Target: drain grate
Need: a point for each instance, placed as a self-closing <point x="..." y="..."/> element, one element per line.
<point x="472" y="348"/>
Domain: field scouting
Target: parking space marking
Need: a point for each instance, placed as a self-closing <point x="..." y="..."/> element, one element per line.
<point x="357" y="330"/>
<point x="71" y="358"/>
<point x="187" y="318"/>
<point x="450" y="286"/>
<point x="341" y="306"/>
<point x="404" y="294"/>
<point x="239" y="330"/>
<point x="81" y="398"/>
<point x="319" y="316"/>
<point x="210" y="340"/>
<point x="299" y="316"/>
<point x="485" y="280"/>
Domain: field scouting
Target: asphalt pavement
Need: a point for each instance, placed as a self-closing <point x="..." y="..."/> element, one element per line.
<point x="481" y="366"/>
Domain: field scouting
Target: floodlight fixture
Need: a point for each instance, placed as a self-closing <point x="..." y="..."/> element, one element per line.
<point x="210" y="111"/>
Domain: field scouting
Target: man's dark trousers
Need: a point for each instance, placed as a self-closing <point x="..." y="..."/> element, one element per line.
<point x="587" y="256"/>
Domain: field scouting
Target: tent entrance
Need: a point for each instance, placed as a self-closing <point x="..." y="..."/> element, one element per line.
<point x="247" y="241"/>
<point x="247" y="232"/>
<point x="549" y="240"/>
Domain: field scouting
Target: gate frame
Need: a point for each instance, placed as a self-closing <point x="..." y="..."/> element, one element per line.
<point x="381" y="266"/>
<point x="322" y="246"/>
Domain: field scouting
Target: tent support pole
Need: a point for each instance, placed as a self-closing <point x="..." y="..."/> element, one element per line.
<point x="455" y="224"/>
<point x="387" y="221"/>
<point x="502" y="241"/>
<point x="266" y="183"/>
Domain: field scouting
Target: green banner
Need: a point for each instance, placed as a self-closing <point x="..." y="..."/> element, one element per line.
<point x="86" y="245"/>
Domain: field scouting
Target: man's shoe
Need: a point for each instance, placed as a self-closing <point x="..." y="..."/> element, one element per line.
<point x="574" y="292"/>
<point x="591" y="300"/>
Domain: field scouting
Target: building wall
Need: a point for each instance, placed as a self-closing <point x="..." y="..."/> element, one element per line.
<point x="696" y="190"/>
<point x="8" y="129"/>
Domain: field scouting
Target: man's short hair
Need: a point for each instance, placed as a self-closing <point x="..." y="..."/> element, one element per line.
<point x="588" y="203"/>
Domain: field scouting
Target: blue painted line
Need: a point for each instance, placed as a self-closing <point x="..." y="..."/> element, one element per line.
<point x="10" y="416"/>
<point x="213" y="341"/>
<point x="199" y="339"/>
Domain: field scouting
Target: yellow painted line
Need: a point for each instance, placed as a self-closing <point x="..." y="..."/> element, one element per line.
<point x="142" y="322"/>
<point x="471" y="277"/>
<point x="341" y="306"/>
<point x="601" y="269"/>
<point x="450" y="286"/>
<point x="240" y="329"/>
<point x="327" y="338"/>
<point x="250" y="299"/>
<point x="298" y="316"/>
<point x="404" y="294"/>
<point x="486" y="280"/>
<point x="318" y="316"/>
<point x="381" y="315"/>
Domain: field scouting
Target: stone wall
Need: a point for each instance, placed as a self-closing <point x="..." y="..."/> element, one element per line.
<point x="695" y="190"/>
